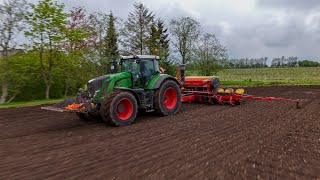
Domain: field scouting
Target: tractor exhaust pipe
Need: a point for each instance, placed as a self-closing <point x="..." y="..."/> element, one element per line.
<point x="182" y="73"/>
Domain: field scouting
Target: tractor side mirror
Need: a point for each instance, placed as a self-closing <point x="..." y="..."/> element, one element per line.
<point x="182" y="73"/>
<point x="112" y="68"/>
<point x="137" y="61"/>
<point x="140" y="75"/>
<point x="109" y="70"/>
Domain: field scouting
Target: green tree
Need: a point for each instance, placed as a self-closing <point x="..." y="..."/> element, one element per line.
<point x="158" y="40"/>
<point x="158" y="43"/>
<point x="11" y="23"/>
<point x="111" y="39"/>
<point x="47" y="23"/>
<point x="23" y="76"/>
<point x="137" y="29"/>
<point x="308" y="63"/>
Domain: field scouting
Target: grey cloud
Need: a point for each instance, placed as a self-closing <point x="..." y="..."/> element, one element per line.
<point x="265" y="37"/>
<point x="273" y="41"/>
<point x="120" y="8"/>
<point x="296" y="4"/>
<point x="284" y="35"/>
<point x="252" y="34"/>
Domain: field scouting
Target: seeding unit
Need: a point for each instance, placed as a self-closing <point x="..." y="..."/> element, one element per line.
<point x="204" y="89"/>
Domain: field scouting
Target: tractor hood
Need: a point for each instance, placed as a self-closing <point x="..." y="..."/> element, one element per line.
<point x="102" y="85"/>
<point x="95" y="84"/>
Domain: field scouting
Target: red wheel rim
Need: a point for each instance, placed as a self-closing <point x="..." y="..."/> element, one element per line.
<point x="170" y="98"/>
<point x="124" y="109"/>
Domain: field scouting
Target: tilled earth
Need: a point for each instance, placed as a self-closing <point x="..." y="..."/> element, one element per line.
<point x="259" y="139"/>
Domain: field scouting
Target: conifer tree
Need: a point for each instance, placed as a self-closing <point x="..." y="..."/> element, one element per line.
<point x="137" y="29"/>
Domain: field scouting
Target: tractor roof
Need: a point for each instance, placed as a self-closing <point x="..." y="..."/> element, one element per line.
<point x="141" y="57"/>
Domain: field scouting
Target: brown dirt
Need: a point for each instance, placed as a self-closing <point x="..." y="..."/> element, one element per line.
<point x="259" y="139"/>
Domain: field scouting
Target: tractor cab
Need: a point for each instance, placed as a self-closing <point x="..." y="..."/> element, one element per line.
<point x="142" y="68"/>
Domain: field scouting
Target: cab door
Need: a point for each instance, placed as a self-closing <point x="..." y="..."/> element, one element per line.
<point x="147" y="70"/>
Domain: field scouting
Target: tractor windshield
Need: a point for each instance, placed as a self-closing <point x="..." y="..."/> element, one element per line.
<point x="146" y="66"/>
<point x="130" y="65"/>
<point x="142" y="69"/>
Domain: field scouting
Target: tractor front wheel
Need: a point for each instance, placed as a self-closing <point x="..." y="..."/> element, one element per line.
<point x="82" y="116"/>
<point x="119" y="109"/>
<point x="87" y="116"/>
<point x="167" y="98"/>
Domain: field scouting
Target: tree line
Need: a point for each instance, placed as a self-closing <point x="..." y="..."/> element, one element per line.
<point x="248" y="63"/>
<point x="64" y="49"/>
<point x="276" y="62"/>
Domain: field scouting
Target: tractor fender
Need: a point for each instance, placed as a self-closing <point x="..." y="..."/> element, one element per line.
<point x="163" y="78"/>
<point x="137" y="93"/>
<point x="127" y="89"/>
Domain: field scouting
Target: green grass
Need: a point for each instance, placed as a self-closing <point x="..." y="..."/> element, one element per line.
<point x="30" y="103"/>
<point x="270" y="76"/>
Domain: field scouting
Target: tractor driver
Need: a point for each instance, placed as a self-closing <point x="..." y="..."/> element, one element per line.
<point x="147" y="70"/>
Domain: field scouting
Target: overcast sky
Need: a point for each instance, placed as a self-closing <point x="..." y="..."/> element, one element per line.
<point x="249" y="28"/>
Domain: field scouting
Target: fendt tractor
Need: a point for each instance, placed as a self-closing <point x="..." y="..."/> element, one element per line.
<point x="141" y="85"/>
<point x="117" y="98"/>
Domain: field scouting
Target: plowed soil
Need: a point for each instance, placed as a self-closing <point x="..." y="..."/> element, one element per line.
<point x="258" y="139"/>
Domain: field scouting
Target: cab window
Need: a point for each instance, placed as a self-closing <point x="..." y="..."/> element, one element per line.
<point x="130" y="66"/>
<point x="147" y="68"/>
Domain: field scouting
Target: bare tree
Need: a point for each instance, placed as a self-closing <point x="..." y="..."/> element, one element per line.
<point x="11" y="16"/>
<point x="185" y="31"/>
<point x="98" y="23"/>
<point x="210" y="54"/>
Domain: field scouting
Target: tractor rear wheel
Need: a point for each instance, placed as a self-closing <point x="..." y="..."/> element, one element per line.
<point x="167" y="99"/>
<point x="119" y="108"/>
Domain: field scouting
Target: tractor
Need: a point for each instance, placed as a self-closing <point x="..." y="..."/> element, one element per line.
<point x="116" y="98"/>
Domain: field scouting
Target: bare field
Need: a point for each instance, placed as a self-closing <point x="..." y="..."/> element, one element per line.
<point x="259" y="139"/>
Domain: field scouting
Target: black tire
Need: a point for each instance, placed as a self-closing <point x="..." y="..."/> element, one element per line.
<point x="159" y="99"/>
<point x="83" y="116"/>
<point x="87" y="116"/>
<point x="117" y="114"/>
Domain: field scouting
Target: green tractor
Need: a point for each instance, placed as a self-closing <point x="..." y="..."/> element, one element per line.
<point x="116" y="98"/>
